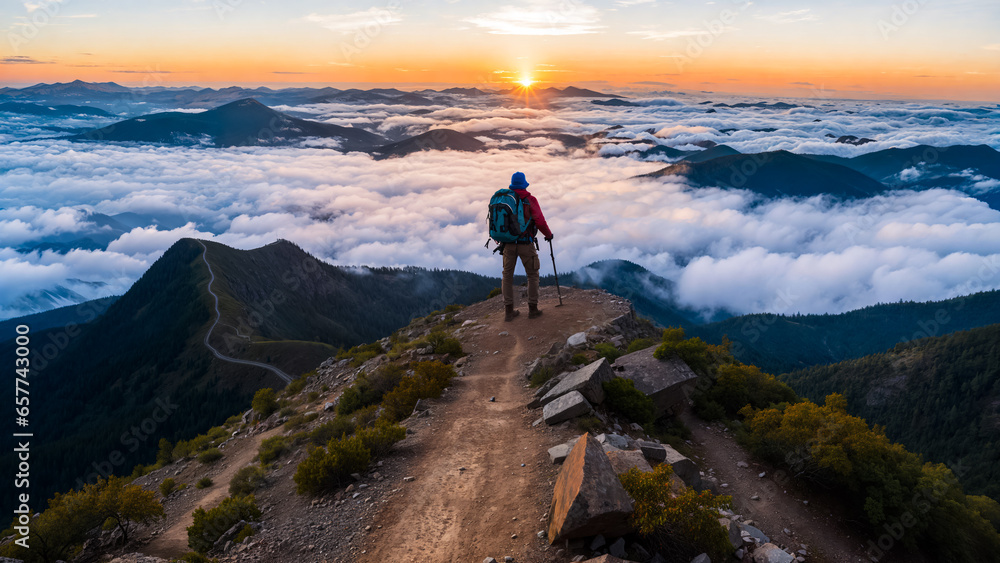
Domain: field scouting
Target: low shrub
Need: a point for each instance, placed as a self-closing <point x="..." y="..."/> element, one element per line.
<point x="325" y="469"/>
<point x="265" y="402"/>
<point x="210" y="455"/>
<point x="337" y="428"/>
<point x="443" y="344"/>
<point x="203" y="483"/>
<point x="428" y="381"/>
<point x="682" y="526"/>
<point x="590" y="424"/>
<point x="209" y="525"/>
<point x="295" y="386"/>
<point x="168" y="486"/>
<point x="623" y="398"/>
<point x="272" y="448"/>
<point x="494" y="292"/>
<point x="609" y="351"/>
<point x="300" y="420"/>
<point x="369" y="389"/>
<point x="245" y="533"/>
<point x="640" y="344"/>
<point x="579" y="359"/>
<point x="286" y="412"/>
<point x="380" y="438"/>
<point x="246" y="480"/>
<point x="541" y="376"/>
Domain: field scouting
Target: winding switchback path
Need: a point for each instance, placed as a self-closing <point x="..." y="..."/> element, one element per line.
<point x="284" y="376"/>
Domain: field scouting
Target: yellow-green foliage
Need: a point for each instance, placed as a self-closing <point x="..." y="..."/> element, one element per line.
<point x="361" y="354"/>
<point x="339" y="427"/>
<point x="168" y="486"/>
<point x="272" y="448"/>
<point x="380" y="438"/>
<point x="209" y="525"/>
<point x="609" y="351"/>
<point x="626" y="400"/>
<point x="640" y="344"/>
<point x="889" y="485"/>
<point x="366" y="416"/>
<point x="58" y="531"/>
<point x="368" y="389"/>
<point x="245" y="533"/>
<point x="687" y="523"/>
<point x="325" y="469"/>
<point x="218" y="434"/>
<point x="738" y="385"/>
<point x="165" y="453"/>
<point x="296" y="385"/>
<point x="441" y="343"/>
<point x="187" y="448"/>
<point x="696" y="353"/>
<point x="265" y="402"/>
<point x="300" y="420"/>
<point x="246" y="480"/>
<point x="428" y="381"/>
<point x="203" y="483"/>
<point x="210" y="455"/>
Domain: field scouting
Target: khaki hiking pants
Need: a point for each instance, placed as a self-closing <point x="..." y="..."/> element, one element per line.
<point x="529" y="259"/>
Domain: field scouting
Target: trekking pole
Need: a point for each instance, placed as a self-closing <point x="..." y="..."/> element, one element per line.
<point x="553" y="255"/>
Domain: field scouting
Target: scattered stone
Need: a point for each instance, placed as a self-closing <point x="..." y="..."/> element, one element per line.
<point x="618" y="548"/>
<point x="504" y="333"/>
<point x="618" y="442"/>
<point x="537" y="422"/>
<point x="702" y="558"/>
<point x="327" y="407"/>
<point x="588" y="497"/>
<point x="409" y="479"/>
<point x="508" y="559"/>
<point x="742" y="464"/>
<point x="468" y="323"/>
<point x="588" y="380"/>
<point x="570" y="405"/>
<point x="755" y="496"/>
<point x="541" y="535"/>
<point x="578" y="339"/>
<point x="598" y="542"/>
<point x="762" y="474"/>
<point x="733" y="530"/>
<point x="513" y="536"/>
<point x="770" y="553"/>
<point x="623" y="460"/>
<point x="757" y="535"/>
<point x="558" y="453"/>
<point x="652" y="450"/>
<point x="493" y="399"/>
<point x="489" y="560"/>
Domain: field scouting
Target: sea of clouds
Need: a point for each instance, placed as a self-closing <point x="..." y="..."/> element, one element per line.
<point x="724" y="249"/>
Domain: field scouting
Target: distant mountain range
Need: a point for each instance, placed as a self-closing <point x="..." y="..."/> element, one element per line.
<point x="58" y="110"/>
<point x="435" y="139"/>
<point x="115" y="97"/>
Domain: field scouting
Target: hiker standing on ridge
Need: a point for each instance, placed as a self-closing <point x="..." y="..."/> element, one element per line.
<point x="525" y="248"/>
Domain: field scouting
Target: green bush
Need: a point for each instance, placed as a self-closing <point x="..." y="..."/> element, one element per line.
<point x="312" y="396"/>
<point x="323" y="469"/>
<point x="295" y="386"/>
<point x="380" y="438"/>
<point x="245" y="533"/>
<point x="209" y="525"/>
<point x="203" y="483"/>
<point x="428" y="381"/>
<point x="235" y="419"/>
<point x="165" y="453"/>
<point x="168" y="486"/>
<point x="700" y="356"/>
<point x="590" y="424"/>
<point x="211" y="455"/>
<point x="443" y="344"/>
<point x="272" y="448"/>
<point x="640" y="344"/>
<point x="246" y="480"/>
<point x="265" y="402"/>
<point x="287" y="412"/>
<point x="579" y="359"/>
<point x="541" y="376"/>
<point x="365" y="417"/>
<point x="300" y="420"/>
<point x="369" y="389"/>
<point x="737" y="385"/>
<point x="218" y="434"/>
<point x="337" y="428"/>
<point x="609" y="351"/>
<point x="683" y="525"/>
<point x="494" y="292"/>
<point x="361" y="354"/>
<point x="623" y="398"/>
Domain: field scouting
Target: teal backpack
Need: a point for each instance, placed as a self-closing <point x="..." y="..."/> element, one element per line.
<point x="506" y="218"/>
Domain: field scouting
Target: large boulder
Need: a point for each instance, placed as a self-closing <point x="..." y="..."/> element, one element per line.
<point x="588" y="380"/>
<point x="770" y="553"/>
<point x="733" y="531"/>
<point x="588" y="498"/>
<point x="623" y="460"/>
<point x="662" y="381"/>
<point x="570" y="405"/>
<point x="683" y="467"/>
<point x="652" y="450"/>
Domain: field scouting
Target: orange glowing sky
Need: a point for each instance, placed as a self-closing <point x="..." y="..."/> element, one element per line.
<point x="859" y="49"/>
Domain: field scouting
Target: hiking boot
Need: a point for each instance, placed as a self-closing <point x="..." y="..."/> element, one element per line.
<point x="533" y="311"/>
<point x="511" y="313"/>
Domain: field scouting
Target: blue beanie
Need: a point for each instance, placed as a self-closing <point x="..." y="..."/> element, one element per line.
<point x="517" y="181"/>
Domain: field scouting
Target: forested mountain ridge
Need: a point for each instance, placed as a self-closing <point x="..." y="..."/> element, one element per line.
<point x="938" y="396"/>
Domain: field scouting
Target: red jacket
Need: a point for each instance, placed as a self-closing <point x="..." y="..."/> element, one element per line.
<point x="534" y="211"/>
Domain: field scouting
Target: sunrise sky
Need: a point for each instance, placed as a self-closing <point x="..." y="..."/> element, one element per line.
<point x="944" y="49"/>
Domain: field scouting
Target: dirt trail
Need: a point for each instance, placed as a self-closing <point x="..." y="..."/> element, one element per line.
<point x="780" y="505"/>
<point x="173" y="541"/>
<point x="494" y="506"/>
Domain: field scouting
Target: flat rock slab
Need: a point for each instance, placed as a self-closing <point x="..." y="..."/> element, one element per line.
<point x="683" y="467"/>
<point x="578" y="339"/>
<point x="570" y="405"/>
<point x="623" y="460"/>
<point x="770" y="553"/>
<point x="588" y="498"/>
<point x="652" y="450"/>
<point x="588" y="380"/>
<point x="558" y="453"/>
<point x="662" y="381"/>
